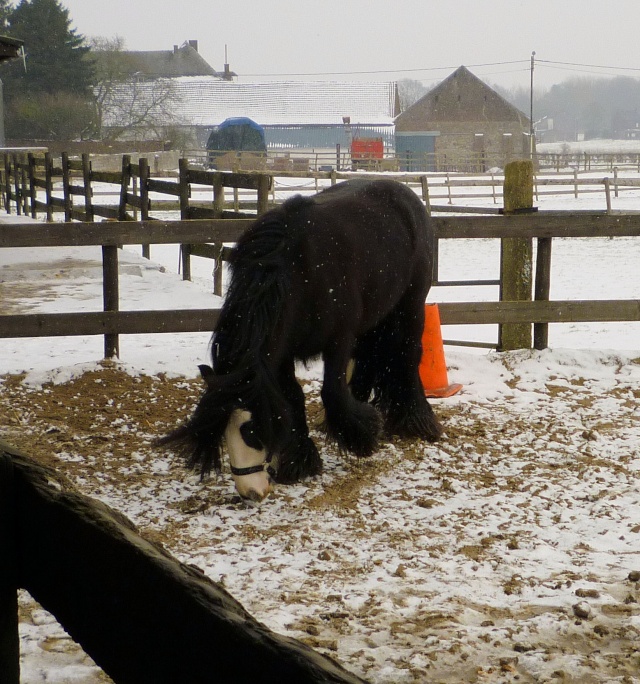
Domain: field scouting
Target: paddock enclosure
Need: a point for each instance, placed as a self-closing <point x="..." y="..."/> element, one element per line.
<point x="206" y="226"/>
<point x="505" y="553"/>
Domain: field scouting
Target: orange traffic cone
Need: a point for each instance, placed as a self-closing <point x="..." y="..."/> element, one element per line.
<point x="433" y="369"/>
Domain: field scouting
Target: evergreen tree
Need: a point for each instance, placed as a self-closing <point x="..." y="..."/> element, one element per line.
<point x="5" y="11"/>
<point x="56" y="55"/>
<point x="58" y="73"/>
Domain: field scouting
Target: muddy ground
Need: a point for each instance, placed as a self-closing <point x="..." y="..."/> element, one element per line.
<point x="481" y="560"/>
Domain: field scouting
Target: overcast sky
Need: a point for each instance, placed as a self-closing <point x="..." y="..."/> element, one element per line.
<point x="383" y="39"/>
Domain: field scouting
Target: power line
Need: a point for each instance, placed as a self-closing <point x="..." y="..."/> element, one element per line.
<point x="588" y="66"/>
<point x="388" y="71"/>
<point x="586" y="70"/>
<point x="546" y="63"/>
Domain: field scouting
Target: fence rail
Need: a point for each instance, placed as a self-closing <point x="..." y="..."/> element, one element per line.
<point x="41" y="186"/>
<point x="111" y="322"/>
<point x="279" y="160"/>
<point x="120" y="596"/>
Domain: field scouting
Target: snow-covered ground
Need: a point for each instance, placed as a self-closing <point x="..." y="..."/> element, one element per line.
<point x="503" y="553"/>
<point x="596" y="146"/>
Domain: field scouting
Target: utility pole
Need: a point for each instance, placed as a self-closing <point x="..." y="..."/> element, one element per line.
<point x="532" y="131"/>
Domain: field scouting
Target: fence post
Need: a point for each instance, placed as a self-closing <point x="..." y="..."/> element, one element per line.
<point x="66" y="187"/>
<point x="542" y="289"/>
<point x="9" y="639"/>
<point x="263" y="193"/>
<point x="516" y="254"/>
<point x="88" y="193"/>
<point x="33" y="191"/>
<point x="7" y="183"/>
<point x="143" y="163"/>
<point x="24" y="184"/>
<point x="16" y="183"/>
<point x="424" y="183"/>
<point x="607" y="193"/>
<point x="185" y="250"/>
<point x="48" y="183"/>
<point x="218" y="207"/>
<point x="110" y="296"/>
<point x="124" y="187"/>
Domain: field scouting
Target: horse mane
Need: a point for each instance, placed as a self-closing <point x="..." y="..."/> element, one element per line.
<point x="260" y="280"/>
<point x="242" y="376"/>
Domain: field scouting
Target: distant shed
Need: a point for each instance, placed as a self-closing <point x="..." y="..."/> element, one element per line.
<point x="462" y="124"/>
<point x="295" y="115"/>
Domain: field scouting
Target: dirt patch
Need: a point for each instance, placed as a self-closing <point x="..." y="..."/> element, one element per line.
<point x="14" y="297"/>
<point x="422" y="563"/>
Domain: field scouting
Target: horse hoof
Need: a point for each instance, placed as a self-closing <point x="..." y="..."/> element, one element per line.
<point x="361" y="433"/>
<point x="299" y="461"/>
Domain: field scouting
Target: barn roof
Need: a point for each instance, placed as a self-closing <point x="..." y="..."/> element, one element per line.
<point x="207" y="101"/>
<point x="462" y="96"/>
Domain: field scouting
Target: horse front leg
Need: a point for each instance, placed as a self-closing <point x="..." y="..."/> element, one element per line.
<point x="356" y="426"/>
<point x="299" y="456"/>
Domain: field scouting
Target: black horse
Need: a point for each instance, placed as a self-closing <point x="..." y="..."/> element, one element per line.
<point x="343" y="274"/>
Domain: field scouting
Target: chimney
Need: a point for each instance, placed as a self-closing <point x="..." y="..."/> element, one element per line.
<point x="194" y="44"/>
<point x="175" y="49"/>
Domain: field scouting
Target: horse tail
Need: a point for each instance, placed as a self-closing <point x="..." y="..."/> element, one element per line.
<point x="199" y="439"/>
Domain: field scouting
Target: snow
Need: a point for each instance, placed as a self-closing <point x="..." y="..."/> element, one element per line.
<point x="596" y="146"/>
<point x="469" y="546"/>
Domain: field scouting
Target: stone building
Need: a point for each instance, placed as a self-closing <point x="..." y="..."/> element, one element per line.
<point x="461" y="125"/>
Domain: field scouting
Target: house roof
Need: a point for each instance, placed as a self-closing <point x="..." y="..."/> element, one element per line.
<point x="207" y="101"/>
<point x="181" y="61"/>
<point x="461" y="97"/>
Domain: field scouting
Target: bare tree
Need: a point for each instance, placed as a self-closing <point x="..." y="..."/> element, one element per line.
<point x="128" y="103"/>
<point x="139" y="109"/>
<point x="410" y="91"/>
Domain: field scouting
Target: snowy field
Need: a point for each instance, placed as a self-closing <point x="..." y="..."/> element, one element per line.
<point x="508" y="552"/>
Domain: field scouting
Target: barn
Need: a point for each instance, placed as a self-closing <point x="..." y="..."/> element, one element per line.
<point x="295" y="115"/>
<point x="176" y="95"/>
<point x="461" y="125"/>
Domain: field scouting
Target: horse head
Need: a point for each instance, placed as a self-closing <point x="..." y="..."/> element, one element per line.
<point x="248" y="458"/>
<point x="250" y="467"/>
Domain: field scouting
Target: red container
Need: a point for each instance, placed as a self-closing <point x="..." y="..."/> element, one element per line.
<point x="367" y="148"/>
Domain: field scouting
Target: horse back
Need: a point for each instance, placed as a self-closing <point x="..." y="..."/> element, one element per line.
<point x="356" y="250"/>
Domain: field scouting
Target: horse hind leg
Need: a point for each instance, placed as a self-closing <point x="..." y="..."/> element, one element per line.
<point x="355" y="425"/>
<point x="398" y="391"/>
<point x="299" y="457"/>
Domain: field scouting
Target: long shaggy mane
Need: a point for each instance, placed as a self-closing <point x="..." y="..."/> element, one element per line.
<point x="242" y="376"/>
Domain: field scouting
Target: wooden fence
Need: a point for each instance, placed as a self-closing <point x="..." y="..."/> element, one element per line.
<point x="140" y="614"/>
<point x="541" y="226"/>
<point x="41" y="185"/>
<point x="588" y="161"/>
<point x="464" y="162"/>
